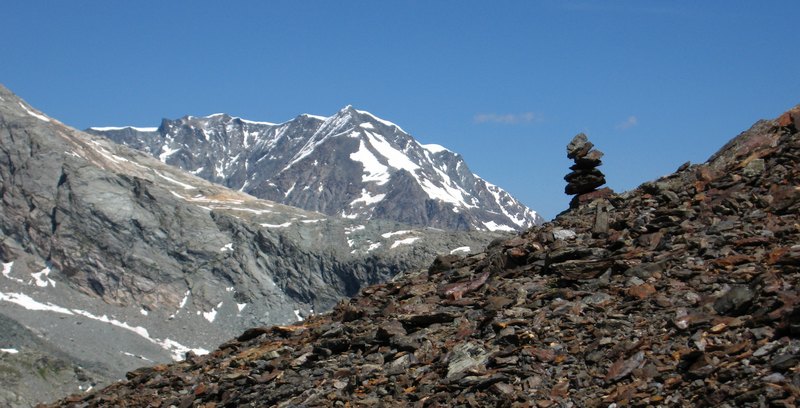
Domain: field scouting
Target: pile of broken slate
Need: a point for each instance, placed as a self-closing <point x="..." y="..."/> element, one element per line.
<point x="682" y="292"/>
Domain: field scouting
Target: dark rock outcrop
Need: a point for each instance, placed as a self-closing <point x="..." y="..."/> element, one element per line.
<point x="682" y="292"/>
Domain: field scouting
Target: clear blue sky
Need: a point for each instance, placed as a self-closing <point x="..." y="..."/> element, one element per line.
<point x="505" y="83"/>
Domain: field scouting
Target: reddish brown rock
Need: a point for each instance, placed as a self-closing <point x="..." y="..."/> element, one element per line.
<point x="642" y="291"/>
<point x="790" y="118"/>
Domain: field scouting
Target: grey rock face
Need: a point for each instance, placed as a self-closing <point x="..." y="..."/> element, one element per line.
<point x="32" y="370"/>
<point x="117" y="260"/>
<point x="351" y="165"/>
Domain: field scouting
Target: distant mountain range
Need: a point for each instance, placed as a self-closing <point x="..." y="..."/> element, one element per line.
<point x="350" y="165"/>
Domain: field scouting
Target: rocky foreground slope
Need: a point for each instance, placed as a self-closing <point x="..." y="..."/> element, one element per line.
<point x="352" y="165"/>
<point x="682" y="292"/>
<point x="112" y="260"/>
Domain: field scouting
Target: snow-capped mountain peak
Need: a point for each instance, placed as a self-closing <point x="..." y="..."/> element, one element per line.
<point x="352" y="164"/>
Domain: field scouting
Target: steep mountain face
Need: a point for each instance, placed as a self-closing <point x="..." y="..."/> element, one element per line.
<point x="682" y="292"/>
<point x="352" y="164"/>
<point x="112" y="259"/>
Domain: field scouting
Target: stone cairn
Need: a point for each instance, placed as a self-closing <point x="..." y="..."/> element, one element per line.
<point x="585" y="177"/>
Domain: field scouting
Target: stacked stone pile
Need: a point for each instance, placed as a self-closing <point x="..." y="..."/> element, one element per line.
<point x="682" y="292"/>
<point x="585" y="177"/>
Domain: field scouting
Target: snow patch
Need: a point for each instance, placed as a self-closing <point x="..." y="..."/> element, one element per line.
<point x="250" y="210"/>
<point x="105" y="153"/>
<point x="129" y="355"/>
<point x="7" y="272"/>
<point x="297" y="313"/>
<point x="374" y="246"/>
<point x="227" y="247"/>
<point x="253" y="122"/>
<point x="138" y="129"/>
<point x="289" y="191"/>
<point x="401" y="232"/>
<point x="493" y="226"/>
<point x="41" y="281"/>
<point x="166" y="151"/>
<point x="461" y="249"/>
<point x="177" y="349"/>
<point x="349" y="216"/>
<point x="176" y="182"/>
<point x="29" y="303"/>
<point x="219" y="169"/>
<point x="407" y="241"/>
<point x="385" y="122"/>
<point x="373" y="169"/>
<point x="185" y="298"/>
<point x="367" y="198"/>
<point x="434" y="148"/>
<point x="241" y="306"/>
<point x="34" y="114"/>
<point x="9" y="350"/>
<point x="394" y="157"/>
<point x="210" y="316"/>
<point x="349" y="230"/>
<point x="284" y="225"/>
<point x="446" y="193"/>
<point x="312" y="221"/>
<point x="144" y="312"/>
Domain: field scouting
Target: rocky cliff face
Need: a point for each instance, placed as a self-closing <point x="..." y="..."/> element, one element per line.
<point x="352" y="165"/>
<point x="682" y="292"/>
<point x="113" y="259"/>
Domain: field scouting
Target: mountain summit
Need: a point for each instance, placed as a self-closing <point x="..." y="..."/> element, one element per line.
<point x="352" y="164"/>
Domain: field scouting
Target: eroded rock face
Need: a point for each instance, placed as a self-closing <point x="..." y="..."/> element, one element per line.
<point x="682" y="292"/>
